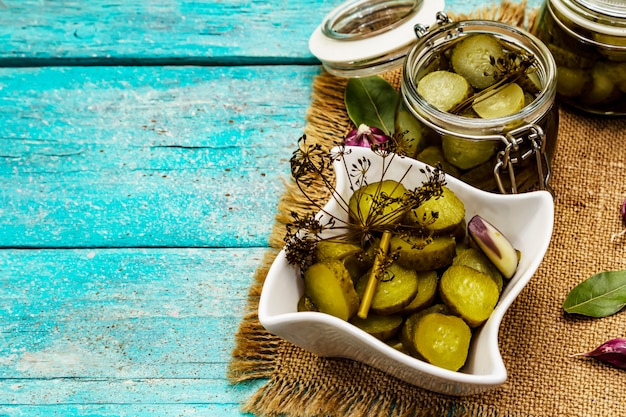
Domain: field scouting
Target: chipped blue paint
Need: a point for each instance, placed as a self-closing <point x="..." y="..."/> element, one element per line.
<point x="184" y="32"/>
<point x="147" y="156"/>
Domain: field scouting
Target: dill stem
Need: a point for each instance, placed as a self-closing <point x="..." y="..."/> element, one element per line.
<point x="372" y="281"/>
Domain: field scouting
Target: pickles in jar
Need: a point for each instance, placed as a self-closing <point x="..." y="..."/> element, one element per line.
<point x="475" y="58"/>
<point x="589" y="57"/>
<point x="503" y="82"/>
<point x="444" y="89"/>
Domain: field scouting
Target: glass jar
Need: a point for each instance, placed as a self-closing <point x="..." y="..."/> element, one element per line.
<point x="588" y="41"/>
<point x="506" y="154"/>
<point x="367" y="37"/>
<point x="509" y="154"/>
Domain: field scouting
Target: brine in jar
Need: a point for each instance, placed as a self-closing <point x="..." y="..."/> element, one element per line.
<point x="588" y="41"/>
<point x="478" y="97"/>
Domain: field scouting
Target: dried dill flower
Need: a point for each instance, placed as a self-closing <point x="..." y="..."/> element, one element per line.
<point x="301" y="237"/>
<point x="312" y="171"/>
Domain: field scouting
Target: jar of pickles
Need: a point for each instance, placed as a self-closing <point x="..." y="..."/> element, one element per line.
<point x="478" y="97"/>
<point x="588" y="41"/>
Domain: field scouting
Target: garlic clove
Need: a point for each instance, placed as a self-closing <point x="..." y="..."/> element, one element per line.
<point x="495" y="245"/>
<point x="365" y="136"/>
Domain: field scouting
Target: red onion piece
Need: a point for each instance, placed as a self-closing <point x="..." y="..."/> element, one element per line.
<point x="612" y="352"/>
<point x="365" y="136"/>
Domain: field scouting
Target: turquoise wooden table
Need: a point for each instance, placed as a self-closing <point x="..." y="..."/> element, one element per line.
<point x="143" y="149"/>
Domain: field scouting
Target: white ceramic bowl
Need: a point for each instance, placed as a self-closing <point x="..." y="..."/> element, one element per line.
<point x="526" y="219"/>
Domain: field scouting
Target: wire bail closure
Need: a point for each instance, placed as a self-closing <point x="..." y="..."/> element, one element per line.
<point x="509" y="157"/>
<point x="441" y="19"/>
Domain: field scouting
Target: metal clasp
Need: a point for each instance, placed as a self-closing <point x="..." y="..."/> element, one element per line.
<point x="420" y="29"/>
<point x="516" y="151"/>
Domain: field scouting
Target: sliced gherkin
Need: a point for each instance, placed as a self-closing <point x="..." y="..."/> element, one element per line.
<point x="466" y="153"/>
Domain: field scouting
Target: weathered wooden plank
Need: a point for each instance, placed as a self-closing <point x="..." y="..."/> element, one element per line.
<point x="113" y="327"/>
<point x="106" y="32"/>
<point x="135" y="308"/>
<point x="186" y="31"/>
<point x="103" y="393"/>
<point x="122" y="410"/>
<point x="146" y="156"/>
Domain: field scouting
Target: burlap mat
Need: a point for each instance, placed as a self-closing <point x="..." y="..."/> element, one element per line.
<point x="536" y="338"/>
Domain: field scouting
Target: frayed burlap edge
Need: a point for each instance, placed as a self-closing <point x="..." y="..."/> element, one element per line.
<point x="257" y="354"/>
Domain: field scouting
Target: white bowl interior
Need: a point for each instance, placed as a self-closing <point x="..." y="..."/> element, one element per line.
<point x="526" y="219"/>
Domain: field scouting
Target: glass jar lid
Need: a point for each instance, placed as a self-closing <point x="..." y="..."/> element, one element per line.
<point x="366" y="37"/>
<point x="606" y="17"/>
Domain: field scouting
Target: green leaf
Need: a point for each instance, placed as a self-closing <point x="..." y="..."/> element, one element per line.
<point x="371" y="101"/>
<point x="600" y="295"/>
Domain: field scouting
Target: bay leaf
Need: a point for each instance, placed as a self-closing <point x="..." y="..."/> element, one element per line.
<point x="371" y="101"/>
<point x="600" y="295"/>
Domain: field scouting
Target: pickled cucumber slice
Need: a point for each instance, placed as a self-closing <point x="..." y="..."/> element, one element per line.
<point x="397" y="345"/>
<point x="362" y="261"/>
<point x="572" y="82"/>
<point x="426" y="291"/>
<point x="444" y="89"/>
<point x="477" y="260"/>
<point x="465" y="153"/>
<point x="439" y="215"/>
<point x="433" y="155"/>
<point x="443" y="340"/>
<point x="407" y="332"/>
<point x="603" y="90"/>
<point x="438" y="338"/>
<point x="530" y="83"/>
<point x="504" y="102"/>
<point x="469" y="293"/>
<point x="616" y="71"/>
<point x="412" y="138"/>
<point x="331" y="289"/>
<point x="565" y="58"/>
<point x="381" y="327"/>
<point x="528" y="98"/>
<point x="420" y="254"/>
<point x="378" y="203"/>
<point x="335" y="249"/>
<point x="473" y="59"/>
<point x="395" y="290"/>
